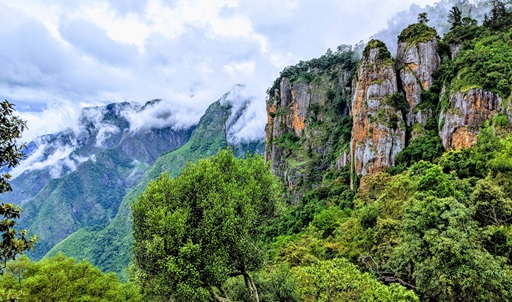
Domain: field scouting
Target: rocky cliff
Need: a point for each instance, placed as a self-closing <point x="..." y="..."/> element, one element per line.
<point x="417" y="60"/>
<point x="399" y="111"/>
<point x="464" y="114"/>
<point x="308" y="124"/>
<point x="387" y="108"/>
<point x="378" y="132"/>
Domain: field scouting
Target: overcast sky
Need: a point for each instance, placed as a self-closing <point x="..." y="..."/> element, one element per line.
<point x="60" y="55"/>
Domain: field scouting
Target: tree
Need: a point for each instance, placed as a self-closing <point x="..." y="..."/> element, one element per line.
<point x="500" y="18"/>
<point x="11" y="152"/>
<point x="193" y="232"/>
<point x="455" y="17"/>
<point x="423" y="18"/>
<point x="62" y="279"/>
<point x="440" y="254"/>
<point x="340" y="280"/>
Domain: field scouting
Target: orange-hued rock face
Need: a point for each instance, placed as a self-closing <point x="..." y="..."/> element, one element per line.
<point x="463" y="138"/>
<point x="378" y="132"/>
<point x="297" y="120"/>
<point x="465" y="114"/>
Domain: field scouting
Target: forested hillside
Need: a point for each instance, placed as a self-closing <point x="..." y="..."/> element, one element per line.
<point x="385" y="177"/>
<point x="429" y="166"/>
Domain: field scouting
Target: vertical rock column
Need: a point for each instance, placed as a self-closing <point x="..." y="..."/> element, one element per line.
<point x="378" y="132"/>
<point x="418" y="61"/>
<point x="286" y="112"/>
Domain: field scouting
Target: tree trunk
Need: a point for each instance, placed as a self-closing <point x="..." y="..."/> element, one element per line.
<point x="249" y="283"/>
<point x="217" y="297"/>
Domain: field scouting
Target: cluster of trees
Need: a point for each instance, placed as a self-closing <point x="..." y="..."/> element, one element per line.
<point x="62" y="279"/>
<point x="208" y="233"/>
<point x="437" y="231"/>
<point x="484" y="59"/>
<point x="437" y="227"/>
<point x="345" y="57"/>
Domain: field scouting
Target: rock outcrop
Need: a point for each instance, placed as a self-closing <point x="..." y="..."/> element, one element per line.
<point x="286" y="114"/>
<point x="378" y="132"/>
<point x="465" y="113"/>
<point x="308" y="125"/>
<point x="418" y="62"/>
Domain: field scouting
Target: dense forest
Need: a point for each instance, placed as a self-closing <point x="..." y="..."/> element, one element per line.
<point x="322" y="216"/>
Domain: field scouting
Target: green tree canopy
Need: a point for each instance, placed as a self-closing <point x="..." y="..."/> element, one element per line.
<point x="455" y="17"/>
<point x="12" y="242"/>
<point x="62" y="279"/>
<point x="193" y="232"/>
<point x="340" y="280"/>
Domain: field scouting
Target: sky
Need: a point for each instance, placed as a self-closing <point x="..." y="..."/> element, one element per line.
<point x="59" y="56"/>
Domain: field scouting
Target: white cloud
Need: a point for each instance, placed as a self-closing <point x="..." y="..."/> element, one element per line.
<point x="56" y="161"/>
<point x="160" y="114"/>
<point x="242" y="67"/>
<point x="104" y="133"/>
<point x="56" y="117"/>
<point x="66" y="54"/>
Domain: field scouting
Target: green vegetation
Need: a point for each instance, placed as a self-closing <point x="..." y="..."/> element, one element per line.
<point x="397" y="101"/>
<point x="384" y="54"/>
<point x="340" y="280"/>
<point x="62" y="279"/>
<point x="13" y="242"/>
<point x="441" y="229"/>
<point x="288" y="142"/>
<point x="343" y="58"/>
<point x="484" y="60"/>
<point x="191" y="233"/>
<point x="435" y="227"/>
<point x="427" y="147"/>
<point x="486" y="63"/>
<point x="417" y="33"/>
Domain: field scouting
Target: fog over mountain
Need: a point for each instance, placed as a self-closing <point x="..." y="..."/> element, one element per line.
<point x="66" y="55"/>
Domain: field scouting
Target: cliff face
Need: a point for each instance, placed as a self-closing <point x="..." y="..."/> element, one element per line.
<point x="419" y="61"/>
<point x="286" y="114"/>
<point x="308" y="126"/>
<point x="378" y="132"/>
<point x="466" y="111"/>
<point x="395" y="105"/>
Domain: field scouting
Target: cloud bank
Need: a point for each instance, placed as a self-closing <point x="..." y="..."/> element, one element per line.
<point x="63" y="55"/>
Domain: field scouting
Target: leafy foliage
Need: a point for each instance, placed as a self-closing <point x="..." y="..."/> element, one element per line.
<point x="62" y="279"/>
<point x="11" y="151"/>
<point x="427" y="147"/>
<point x="13" y="242"/>
<point x="455" y="17"/>
<point x="417" y="33"/>
<point x="340" y="280"/>
<point x="383" y="52"/>
<point x="195" y="231"/>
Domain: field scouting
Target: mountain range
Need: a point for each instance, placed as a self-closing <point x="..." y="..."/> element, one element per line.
<point x="75" y="186"/>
